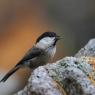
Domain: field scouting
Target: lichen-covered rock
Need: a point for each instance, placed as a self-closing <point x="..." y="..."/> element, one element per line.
<point x="87" y="50"/>
<point x="73" y="75"/>
<point x="69" y="76"/>
<point x="40" y="84"/>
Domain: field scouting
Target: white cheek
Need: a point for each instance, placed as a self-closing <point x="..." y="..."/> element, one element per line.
<point x="41" y="45"/>
<point x="45" y="42"/>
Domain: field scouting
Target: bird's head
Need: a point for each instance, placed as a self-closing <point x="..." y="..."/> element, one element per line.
<point x="47" y="39"/>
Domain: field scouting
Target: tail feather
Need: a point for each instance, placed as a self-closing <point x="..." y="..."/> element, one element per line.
<point x="9" y="73"/>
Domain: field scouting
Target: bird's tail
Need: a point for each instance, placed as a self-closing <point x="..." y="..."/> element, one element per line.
<point x="9" y="73"/>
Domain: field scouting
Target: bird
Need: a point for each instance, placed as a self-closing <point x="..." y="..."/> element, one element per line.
<point x="42" y="51"/>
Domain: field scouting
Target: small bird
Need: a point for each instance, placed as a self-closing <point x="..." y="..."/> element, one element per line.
<point x="43" y="50"/>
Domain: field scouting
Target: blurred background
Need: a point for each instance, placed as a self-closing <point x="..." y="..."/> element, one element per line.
<point x="22" y="21"/>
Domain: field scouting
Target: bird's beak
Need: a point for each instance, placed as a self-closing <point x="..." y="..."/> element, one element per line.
<point x="59" y="37"/>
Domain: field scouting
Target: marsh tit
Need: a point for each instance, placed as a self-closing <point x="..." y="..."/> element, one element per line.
<point x="43" y="50"/>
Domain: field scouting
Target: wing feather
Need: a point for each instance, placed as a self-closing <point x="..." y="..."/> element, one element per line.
<point x="32" y="53"/>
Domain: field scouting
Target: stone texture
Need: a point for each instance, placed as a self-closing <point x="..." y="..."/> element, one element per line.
<point x="87" y="50"/>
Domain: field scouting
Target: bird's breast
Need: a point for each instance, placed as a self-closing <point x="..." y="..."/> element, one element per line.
<point x="43" y="58"/>
<point x="51" y="51"/>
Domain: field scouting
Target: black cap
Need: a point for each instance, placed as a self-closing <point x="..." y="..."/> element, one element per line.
<point x="46" y="34"/>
